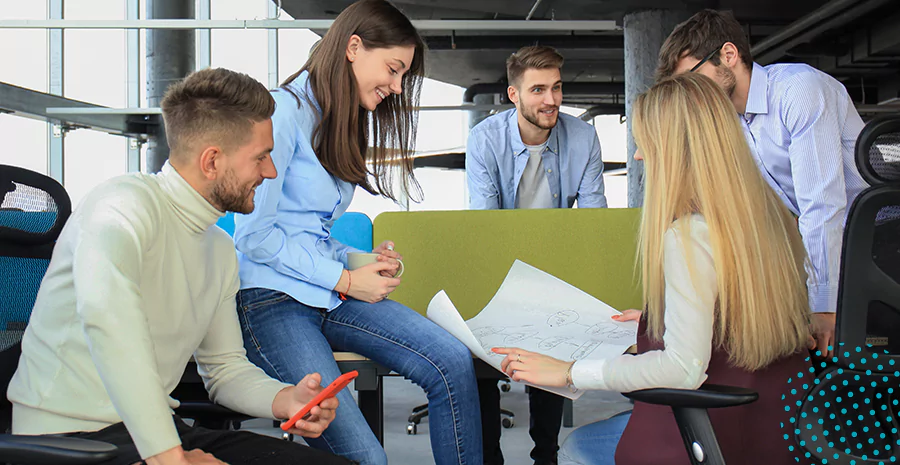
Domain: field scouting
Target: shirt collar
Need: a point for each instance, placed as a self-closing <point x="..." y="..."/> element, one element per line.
<point x="301" y="87"/>
<point x="190" y="207"/>
<point x="518" y="147"/>
<point x="757" y="101"/>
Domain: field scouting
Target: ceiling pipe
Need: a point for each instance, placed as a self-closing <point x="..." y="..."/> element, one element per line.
<point x="828" y="16"/>
<point x="570" y="88"/>
<point x="533" y="8"/>
<point x="602" y="109"/>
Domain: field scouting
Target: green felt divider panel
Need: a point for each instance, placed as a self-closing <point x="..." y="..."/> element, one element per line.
<point x="468" y="253"/>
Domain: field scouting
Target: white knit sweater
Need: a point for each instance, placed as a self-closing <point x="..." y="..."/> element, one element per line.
<point x="140" y="280"/>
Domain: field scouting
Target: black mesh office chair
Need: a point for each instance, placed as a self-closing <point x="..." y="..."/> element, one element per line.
<point x="33" y="210"/>
<point x="850" y="415"/>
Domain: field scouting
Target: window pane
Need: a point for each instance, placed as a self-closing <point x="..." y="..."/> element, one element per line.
<point x="24" y="143"/>
<point x="444" y="189"/>
<point x="371" y="205"/>
<point x="240" y="50"/>
<point x="293" y="50"/>
<point x="92" y="157"/>
<point x="95" y="59"/>
<point x="26" y="49"/>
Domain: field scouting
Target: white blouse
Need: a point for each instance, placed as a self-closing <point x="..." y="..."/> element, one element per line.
<point x="688" y="321"/>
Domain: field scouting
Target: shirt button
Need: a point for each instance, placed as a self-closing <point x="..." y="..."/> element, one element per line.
<point x="549" y="171"/>
<point x="555" y="195"/>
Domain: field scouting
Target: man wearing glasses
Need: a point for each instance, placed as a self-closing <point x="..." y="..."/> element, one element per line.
<point x="801" y="126"/>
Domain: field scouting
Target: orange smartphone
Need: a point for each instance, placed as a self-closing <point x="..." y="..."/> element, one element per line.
<point x="327" y="393"/>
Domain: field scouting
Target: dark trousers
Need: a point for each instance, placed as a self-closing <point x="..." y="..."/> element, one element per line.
<point x="545" y="419"/>
<point x="232" y="447"/>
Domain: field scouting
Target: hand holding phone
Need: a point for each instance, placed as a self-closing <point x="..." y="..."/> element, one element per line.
<point x="332" y="390"/>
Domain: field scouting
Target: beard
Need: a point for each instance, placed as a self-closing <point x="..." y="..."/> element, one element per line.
<point x="533" y="117"/>
<point x="727" y="80"/>
<point x="229" y="196"/>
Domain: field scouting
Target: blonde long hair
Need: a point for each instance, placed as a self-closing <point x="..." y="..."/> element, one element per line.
<point x="698" y="161"/>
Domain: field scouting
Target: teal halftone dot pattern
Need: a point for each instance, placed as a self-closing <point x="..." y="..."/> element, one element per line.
<point x="845" y="415"/>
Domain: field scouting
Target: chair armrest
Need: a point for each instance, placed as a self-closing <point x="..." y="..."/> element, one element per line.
<point x="54" y="450"/>
<point x="708" y="396"/>
<point x="209" y="410"/>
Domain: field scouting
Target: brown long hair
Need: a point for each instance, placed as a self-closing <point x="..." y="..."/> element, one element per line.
<point x="341" y="137"/>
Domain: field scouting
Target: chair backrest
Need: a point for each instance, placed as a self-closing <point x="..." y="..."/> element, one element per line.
<point x="227" y="223"/>
<point x="33" y="210"/>
<point x="850" y="414"/>
<point x="870" y="260"/>
<point x="352" y="228"/>
<point x="468" y="253"/>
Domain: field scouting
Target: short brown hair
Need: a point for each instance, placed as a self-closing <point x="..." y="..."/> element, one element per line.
<point x="699" y="36"/>
<point x="531" y="57"/>
<point x="214" y="105"/>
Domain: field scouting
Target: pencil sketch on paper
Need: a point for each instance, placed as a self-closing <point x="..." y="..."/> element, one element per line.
<point x="538" y="312"/>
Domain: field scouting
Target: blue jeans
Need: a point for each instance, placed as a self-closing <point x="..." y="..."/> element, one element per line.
<point x="289" y="340"/>
<point x="594" y="444"/>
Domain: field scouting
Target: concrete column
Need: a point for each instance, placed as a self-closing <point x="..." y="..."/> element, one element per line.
<point x="170" y="57"/>
<point x="645" y="32"/>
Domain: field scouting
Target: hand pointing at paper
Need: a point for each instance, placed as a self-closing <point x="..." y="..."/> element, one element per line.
<point x="534" y="368"/>
<point x="543" y="370"/>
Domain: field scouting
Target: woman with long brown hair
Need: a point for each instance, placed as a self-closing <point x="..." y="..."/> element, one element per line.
<point x="298" y="300"/>
<point x="724" y="283"/>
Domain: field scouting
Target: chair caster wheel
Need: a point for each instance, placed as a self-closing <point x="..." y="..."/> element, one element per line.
<point x="508" y="423"/>
<point x="412" y="429"/>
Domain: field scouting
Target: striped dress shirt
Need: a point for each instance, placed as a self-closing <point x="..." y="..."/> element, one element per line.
<point x="802" y="127"/>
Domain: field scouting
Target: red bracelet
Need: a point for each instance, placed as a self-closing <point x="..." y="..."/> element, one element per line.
<point x="343" y="295"/>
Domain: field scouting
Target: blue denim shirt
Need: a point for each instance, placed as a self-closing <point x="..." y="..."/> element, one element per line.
<point x="496" y="158"/>
<point x="286" y="243"/>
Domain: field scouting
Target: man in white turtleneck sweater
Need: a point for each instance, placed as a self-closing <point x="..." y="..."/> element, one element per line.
<point x="141" y="280"/>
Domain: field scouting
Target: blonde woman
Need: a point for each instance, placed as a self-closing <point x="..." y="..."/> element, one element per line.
<point x="723" y="269"/>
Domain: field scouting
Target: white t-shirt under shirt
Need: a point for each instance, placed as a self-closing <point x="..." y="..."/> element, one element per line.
<point x="534" y="190"/>
<point x="688" y="321"/>
<point x="140" y="281"/>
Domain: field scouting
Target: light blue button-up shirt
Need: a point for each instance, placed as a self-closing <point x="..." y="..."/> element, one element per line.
<point x="802" y="127"/>
<point x="286" y="243"/>
<point x="496" y="158"/>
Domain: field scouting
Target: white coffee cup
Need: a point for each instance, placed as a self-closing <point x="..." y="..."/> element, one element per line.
<point x="360" y="259"/>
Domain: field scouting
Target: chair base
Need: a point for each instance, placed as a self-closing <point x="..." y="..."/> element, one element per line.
<point x="421" y="411"/>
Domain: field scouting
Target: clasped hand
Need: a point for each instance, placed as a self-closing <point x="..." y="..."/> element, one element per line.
<point x="375" y="282"/>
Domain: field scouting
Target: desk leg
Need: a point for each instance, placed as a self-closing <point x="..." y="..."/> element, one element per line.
<point x="371" y="405"/>
<point x="568" y="414"/>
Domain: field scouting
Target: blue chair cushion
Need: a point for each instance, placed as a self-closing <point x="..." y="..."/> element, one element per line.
<point x="227" y="223"/>
<point x="352" y="228"/>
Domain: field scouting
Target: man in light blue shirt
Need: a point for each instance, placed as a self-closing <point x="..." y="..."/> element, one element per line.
<point x="532" y="157"/>
<point x="506" y="151"/>
<point x="801" y="126"/>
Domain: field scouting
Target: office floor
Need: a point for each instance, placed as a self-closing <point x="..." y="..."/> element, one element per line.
<point x="400" y="396"/>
